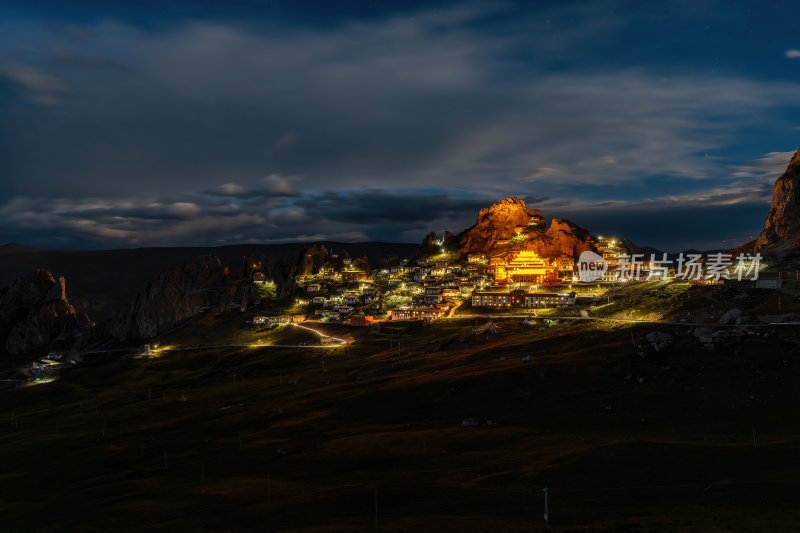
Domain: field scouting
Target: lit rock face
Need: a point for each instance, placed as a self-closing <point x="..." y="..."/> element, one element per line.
<point x="562" y="238"/>
<point x="497" y="223"/>
<point x="36" y="312"/>
<point x="782" y="231"/>
<point x="503" y="221"/>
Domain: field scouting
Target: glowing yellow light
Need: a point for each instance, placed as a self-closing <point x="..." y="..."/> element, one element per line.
<point x="40" y="381"/>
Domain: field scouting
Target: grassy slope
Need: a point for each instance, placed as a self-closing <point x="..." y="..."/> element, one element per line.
<point x="672" y="453"/>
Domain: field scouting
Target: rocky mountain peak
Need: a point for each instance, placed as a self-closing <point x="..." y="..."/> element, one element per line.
<point x="510" y="211"/>
<point x="781" y="233"/>
<point x="510" y="223"/>
<point x="497" y="223"/>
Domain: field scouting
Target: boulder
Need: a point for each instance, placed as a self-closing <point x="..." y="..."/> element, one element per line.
<point x="659" y="340"/>
<point x="731" y="316"/>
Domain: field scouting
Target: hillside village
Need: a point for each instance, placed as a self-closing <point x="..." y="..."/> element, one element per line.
<point x="442" y="284"/>
<point x="510" y="260"/>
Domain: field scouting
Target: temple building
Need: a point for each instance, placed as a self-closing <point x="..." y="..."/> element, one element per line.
<point x="522" y="266"/>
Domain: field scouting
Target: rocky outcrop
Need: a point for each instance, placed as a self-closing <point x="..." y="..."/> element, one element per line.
<point x="510" y="223"/>
<point x="285" y="270"/>
<point x="35" y="312"/>
<point x="782" y="229"/>
<point x="561" y="238"/>
<point x="180" y="293"/>
<point x="204" y="284"/>
<point x="314" y="258"/>
<point x="498" y="223"/>
<point x="432" y="245"/>
<point x="430" y="241"/>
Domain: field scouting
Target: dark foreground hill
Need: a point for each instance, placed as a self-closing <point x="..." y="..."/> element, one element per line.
<point x="102" y="281"/>
<point x="440" y="429"/>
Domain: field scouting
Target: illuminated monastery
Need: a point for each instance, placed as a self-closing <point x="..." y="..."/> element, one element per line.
<point x="523" y="266"/>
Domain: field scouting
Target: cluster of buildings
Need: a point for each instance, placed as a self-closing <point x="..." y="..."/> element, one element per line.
<point x="428" y="288"/>
<point x="425" y="288"/>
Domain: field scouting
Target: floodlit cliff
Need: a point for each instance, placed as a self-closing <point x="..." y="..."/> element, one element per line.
<point x="497" y="223"/>
<point x="562" y="238"/>
<point x="510" y="223"/>
<point x="781" y="234"/>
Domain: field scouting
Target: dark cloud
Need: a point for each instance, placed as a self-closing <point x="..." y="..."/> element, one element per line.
<point x="377" y="206"/>
<point x="417" y="117"/>
<point x="273" y="185"/>
<point x="36" y="84"/>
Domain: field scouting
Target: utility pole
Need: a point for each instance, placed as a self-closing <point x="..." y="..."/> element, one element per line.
<point x="546" y="510"/>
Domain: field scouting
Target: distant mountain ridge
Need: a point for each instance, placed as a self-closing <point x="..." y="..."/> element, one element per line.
<point x="16" y="248"/>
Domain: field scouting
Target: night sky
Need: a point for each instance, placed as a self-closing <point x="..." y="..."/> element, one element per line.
<point x="139" y="124"/>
